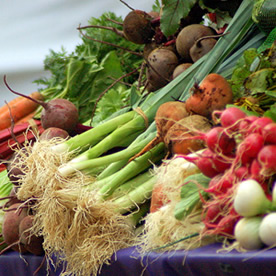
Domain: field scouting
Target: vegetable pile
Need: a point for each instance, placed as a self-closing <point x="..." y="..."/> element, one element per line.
<point x="126" y="148"/>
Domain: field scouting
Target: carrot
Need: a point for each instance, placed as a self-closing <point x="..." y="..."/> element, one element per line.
<point x="213" y="93"/>
<point x="26" y="118"/>
<point x="18" y="108"/>
<point x="158" y="198"/>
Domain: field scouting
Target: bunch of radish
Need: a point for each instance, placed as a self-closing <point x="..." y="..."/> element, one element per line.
<point x="239" y="148"/>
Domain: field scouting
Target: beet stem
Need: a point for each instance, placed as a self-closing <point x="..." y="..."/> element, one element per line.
<point x="43" y="104"/>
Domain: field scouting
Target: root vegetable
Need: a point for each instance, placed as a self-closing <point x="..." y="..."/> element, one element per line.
<point x="15" y="167"/>
<point x="59" y="113"/>
<point x="230" y="118"/>
<point x="267" y="159"/>
<point x="267" y="229"/>
<point x="166" y="116"/>
<point x="30" y="241"/>
<point x="201" y="47"/>
<point x="188" y="36"/>
<point x="52" y="132"/>
<point x="180" y="68"/>
<point x="10" y="227"/>
<point x="219" y="141"/>
<point x="137" y="27"/>
<point x="247" y="233"/>
<point x="249" y="148"/>
<point x="179" y="138"/>
<point x="269" y="133"/>
<point x="213" y="93"/>
<point x="161" y="64"/>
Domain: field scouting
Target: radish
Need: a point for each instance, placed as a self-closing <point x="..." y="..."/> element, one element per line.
<point x="230" y="117"/>
<point x="269" y="132"/>
<point x="267" y="159"/>
<point x="222" y="185"/>
<point x="258" y="125"/>
<point x="247" y="233"/>
<point x="219" y="141"/>
<point x="245" y="123"/>
<point x="59" y="113"/>
<point x="249" y="148"/>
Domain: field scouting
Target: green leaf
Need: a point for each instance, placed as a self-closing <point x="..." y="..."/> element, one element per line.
<point x="190" y="194"/>
<point x="271" y="113"/>
<point x="173" y="11"/>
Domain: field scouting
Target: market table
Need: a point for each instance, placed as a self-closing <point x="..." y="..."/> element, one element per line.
<point x="201" y="261"/>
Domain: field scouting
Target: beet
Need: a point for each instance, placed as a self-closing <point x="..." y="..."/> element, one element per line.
<point x="180" y="69"/>
<point x="201" y="47"/>
<point x="52" y="132"/>
<point x="10" y="227"/>
<point x="137" y="27"/>
<point x="188" y="36"/>
<point x="59" y="113"/>
<point x="33" y="243"/>
<point x="161" y="64"/>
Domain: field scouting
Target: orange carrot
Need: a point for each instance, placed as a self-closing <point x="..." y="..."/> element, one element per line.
<point x="26" y="118"/>
<point x="18" y="108"/>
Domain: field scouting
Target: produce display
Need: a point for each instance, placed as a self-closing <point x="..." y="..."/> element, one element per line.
<point x="158" y="131"/>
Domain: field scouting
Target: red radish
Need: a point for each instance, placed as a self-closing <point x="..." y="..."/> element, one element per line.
<point x="267" y="159"/>
<point x="222" y="185"/>
<point x="245" y="124"/>
<point x="230" y="117"/>
<point x="219" y="141"/>
<point x="204" y="162"/>
<point x="59" y="113"/>
<point x="226" y="225"/>
<point x="258" y="125"/>
<point x="213" y="215"/>
<point x="269" y="133"/>
<point x="255" y="170"/>
<point x="220" y="163"/>
<point x="248" y="149"/>
<point x="242" y="173"/>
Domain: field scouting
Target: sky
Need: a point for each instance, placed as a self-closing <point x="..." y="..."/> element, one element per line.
<point x="29" y="29"/>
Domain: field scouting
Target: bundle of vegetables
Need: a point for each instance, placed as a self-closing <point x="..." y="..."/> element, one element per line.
<point x="85" y="194"/>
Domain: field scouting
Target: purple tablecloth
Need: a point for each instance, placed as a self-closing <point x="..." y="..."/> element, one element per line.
<point x="201" y="261"/>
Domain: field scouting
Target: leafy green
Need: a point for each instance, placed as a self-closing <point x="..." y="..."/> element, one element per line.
<point x="93" y="67"/>
<point x="173" y="12"/>
<point x="190" y="194"/>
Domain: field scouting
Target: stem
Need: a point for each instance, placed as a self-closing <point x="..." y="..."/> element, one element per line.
<point x="136" y="216"/>
<point x="136" y="196"/>
<point x="43" y="104"/>
<point x="108" y="88"/>
<point x="132" y="184"/>
<point x="111" y="169"/>
<point x="132" y="169"/>
<point x="94" y="135"/>
<point x="75" y="164"/>
<point x="110" y="44"/>
<point x="113" y="29"/>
